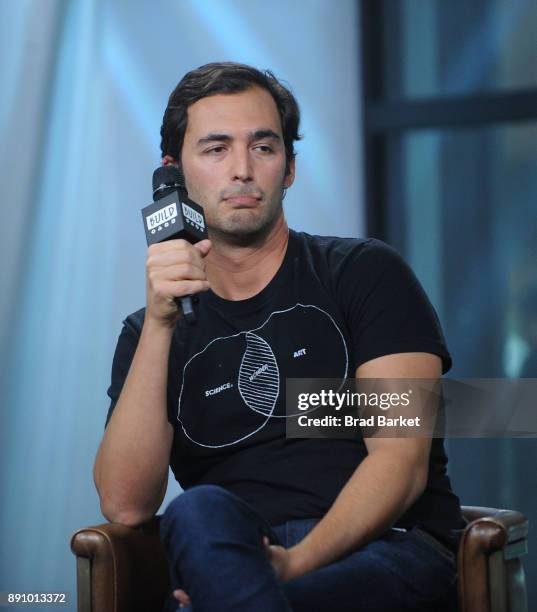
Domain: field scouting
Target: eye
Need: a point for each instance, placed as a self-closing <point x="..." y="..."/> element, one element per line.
<point x="217" y="149"/>
<point x="264" y="148"/>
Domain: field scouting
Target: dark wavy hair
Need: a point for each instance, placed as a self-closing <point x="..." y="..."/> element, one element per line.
<point x="226" y="77"/>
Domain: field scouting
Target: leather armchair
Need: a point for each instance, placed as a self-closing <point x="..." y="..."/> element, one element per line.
<point x="124" y="569"/>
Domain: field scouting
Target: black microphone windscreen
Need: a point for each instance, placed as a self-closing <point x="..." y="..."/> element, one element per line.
<point x="165" y="177"/>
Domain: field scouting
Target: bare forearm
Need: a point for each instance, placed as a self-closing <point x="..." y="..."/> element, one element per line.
<point x="131" y="466"/>
<point x="376" y="495"/>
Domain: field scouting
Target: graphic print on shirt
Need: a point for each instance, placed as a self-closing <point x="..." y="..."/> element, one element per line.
<point x="235" y="385"/>
<point x="259" y="379"/>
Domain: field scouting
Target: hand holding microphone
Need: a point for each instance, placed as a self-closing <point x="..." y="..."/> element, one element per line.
<point x="177" y="240"/>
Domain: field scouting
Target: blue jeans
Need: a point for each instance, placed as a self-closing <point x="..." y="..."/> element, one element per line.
<point x="214" y="546"/>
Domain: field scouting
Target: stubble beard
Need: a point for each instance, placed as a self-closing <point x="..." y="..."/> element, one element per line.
<point x="236" y="230"/>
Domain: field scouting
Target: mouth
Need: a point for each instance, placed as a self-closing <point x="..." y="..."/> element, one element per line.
<point x="243" y="201"/>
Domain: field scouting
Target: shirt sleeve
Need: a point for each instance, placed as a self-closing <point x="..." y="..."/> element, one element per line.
<point x="124" y="353"/>
<point x="385" y="306"/>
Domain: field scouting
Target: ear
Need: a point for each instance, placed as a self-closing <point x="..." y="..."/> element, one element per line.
<point x="168" y="160"/>
<point x="290" y="176"/>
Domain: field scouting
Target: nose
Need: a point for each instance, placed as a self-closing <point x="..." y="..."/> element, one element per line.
<point x="241" y="169"/>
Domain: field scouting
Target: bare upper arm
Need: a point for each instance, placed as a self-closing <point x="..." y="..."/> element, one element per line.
<point x="415" y="450"/>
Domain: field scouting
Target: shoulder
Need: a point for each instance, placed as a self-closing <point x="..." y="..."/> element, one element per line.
<point x="339" y="254"/>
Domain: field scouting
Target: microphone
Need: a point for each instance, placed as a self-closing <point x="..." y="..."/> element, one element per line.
<point x="173" y="215"/>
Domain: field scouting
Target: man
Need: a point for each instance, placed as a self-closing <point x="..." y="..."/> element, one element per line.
<point x="268" y="522"/>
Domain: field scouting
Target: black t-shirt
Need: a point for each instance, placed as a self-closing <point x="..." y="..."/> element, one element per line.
<point x="334" y="304"/>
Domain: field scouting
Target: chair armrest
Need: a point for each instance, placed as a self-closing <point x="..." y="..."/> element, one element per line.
<point x="507" y="525"/>
<point x="491" y="576"/>
<point x="120" y="568"/>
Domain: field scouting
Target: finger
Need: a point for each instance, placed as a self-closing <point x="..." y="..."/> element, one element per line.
<point x="171" y="257"/>
<point x="181" y="288"/>
<point x="177" y="272"/>
<point x="168" y="245"/>
<point x="182" y="596"/>
<point x="266" y="543"/>
<point x="204" y="246"/>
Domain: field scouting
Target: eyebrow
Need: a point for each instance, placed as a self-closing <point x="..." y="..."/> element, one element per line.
<point x="257" y="135"/>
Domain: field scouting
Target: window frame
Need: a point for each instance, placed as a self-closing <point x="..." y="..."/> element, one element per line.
<point x="384" y="118"/>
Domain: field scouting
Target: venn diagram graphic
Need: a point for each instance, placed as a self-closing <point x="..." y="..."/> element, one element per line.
<point x="234" y="386"/>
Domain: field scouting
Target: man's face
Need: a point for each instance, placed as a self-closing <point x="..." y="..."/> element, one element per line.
<point x="233" y="160"/>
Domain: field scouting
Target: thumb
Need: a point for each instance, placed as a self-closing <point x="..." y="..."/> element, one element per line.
<point x="204" y="246"/>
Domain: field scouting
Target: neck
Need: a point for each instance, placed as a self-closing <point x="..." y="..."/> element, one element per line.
<point x="240" y="272"/>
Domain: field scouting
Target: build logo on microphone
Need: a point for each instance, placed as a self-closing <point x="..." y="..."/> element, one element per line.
<point x="162" y="218"/>
<point x="193" y="217"/>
